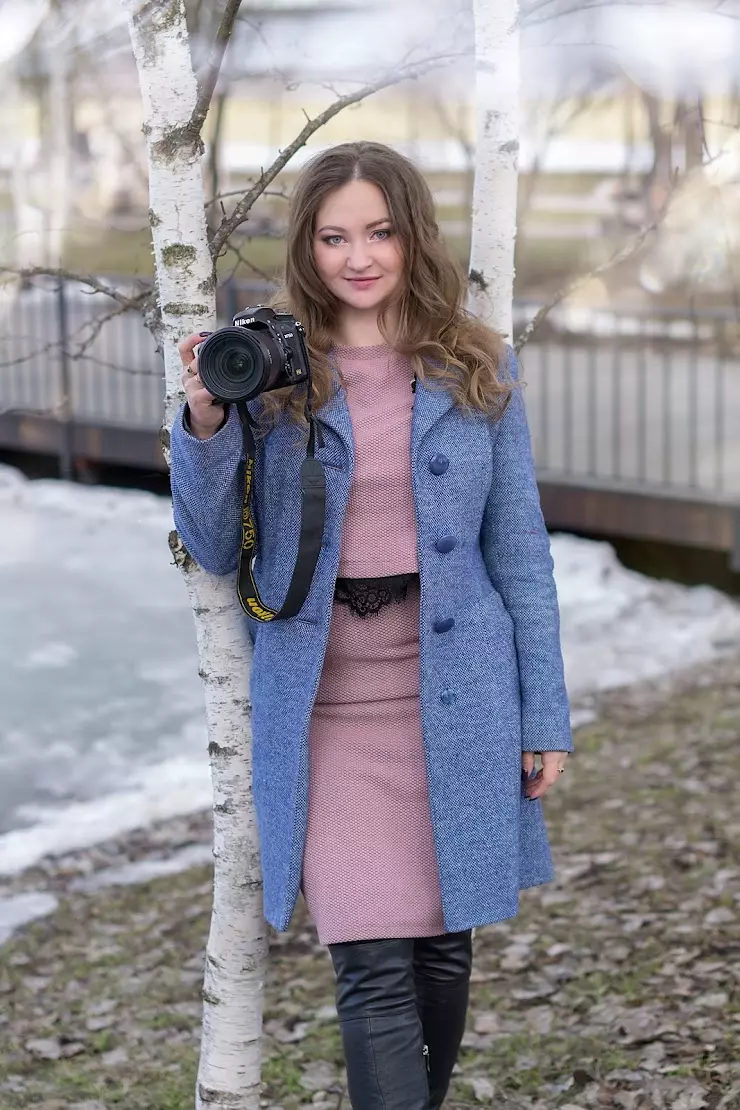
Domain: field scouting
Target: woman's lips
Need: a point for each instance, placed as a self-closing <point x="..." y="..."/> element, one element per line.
<point x="362" y="283"/>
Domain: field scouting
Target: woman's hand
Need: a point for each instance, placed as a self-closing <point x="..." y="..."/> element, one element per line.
<point x="553" y="765"/>
<point x="205" y="417"/>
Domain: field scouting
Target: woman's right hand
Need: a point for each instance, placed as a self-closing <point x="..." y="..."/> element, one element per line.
<point x="205" y="417"/>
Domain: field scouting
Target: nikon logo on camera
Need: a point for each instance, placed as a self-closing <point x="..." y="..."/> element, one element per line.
<point x="260" y="351"/>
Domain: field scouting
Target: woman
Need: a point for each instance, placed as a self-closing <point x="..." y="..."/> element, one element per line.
<point x="396" y="718"/>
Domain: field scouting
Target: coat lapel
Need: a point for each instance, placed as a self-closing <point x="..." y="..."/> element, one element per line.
<point x="430" y="405"/>
<point x="335" y="415"/>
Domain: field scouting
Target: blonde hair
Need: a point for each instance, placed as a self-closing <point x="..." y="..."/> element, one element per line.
<point x="445" y="343"/>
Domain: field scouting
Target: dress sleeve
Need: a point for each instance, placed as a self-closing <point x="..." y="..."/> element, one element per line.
<point x="516" y="550"/>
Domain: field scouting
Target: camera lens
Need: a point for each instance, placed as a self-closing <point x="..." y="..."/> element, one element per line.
<point x="236" y="364"/>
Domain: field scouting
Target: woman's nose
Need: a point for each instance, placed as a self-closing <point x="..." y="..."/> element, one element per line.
<point x="359" y="256"/>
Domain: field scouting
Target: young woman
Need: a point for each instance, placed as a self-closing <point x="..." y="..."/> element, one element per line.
<point x="397" y="717"/>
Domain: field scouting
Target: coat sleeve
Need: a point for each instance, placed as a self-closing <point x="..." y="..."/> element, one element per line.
<point x="207" y="481"/>
<point x="516" y="550"/>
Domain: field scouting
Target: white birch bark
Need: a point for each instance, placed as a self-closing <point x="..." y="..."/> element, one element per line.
<point x="497" y="162"/>
<point x="229" y="1073"/>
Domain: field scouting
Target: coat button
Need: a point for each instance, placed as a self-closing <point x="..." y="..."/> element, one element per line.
<point x="448" y="697"/>
<point x="445" y="626"/>
<point x="439" y="464"/>
<point x="445" y="544"/>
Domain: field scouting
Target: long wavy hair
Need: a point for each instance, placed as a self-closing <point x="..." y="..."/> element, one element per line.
<point x="445" y="343"/>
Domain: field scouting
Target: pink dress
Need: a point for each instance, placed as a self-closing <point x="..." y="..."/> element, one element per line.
<point x="369" y="867"/>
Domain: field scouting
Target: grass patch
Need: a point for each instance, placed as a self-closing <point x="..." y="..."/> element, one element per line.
<point x="625" y="960"/>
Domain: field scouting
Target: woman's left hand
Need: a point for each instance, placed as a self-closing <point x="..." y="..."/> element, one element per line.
<point x="553" y="765"/>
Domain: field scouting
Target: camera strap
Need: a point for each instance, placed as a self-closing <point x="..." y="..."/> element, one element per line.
<point x="313" y="515"/>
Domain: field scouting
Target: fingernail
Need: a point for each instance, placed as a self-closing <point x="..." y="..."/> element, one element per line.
<point x="203" y="334"/>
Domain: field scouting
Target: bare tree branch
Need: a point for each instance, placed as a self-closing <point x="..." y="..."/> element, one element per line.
<point x="455" y="128"/>
<point x="80" y="340"/>
<point x="96" y="286"/>
<point x="5" y="364"/>
<point x="232" y="248"/>
<point x="536" y="11"/>
<point x="241" y="211"/>
<point x="625" y="252"/>
<point x="129" y="371"/>
<point x="554" y="124"/>
<point x="94" y="328"/>
<point x="282" y="194"/>
<point x="208" y="82"/>
<point x="16" y="410"/>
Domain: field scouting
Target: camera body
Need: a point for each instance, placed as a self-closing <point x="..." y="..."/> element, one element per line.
<point x="262" y="350"/>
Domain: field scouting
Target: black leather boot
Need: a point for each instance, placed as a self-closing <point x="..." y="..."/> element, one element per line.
<point x="442" y="967"/>
<point x="380" y="1023"/>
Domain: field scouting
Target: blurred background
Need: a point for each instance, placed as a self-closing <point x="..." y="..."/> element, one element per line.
<point x="629" y="230"/>
<point x="630" y="117"/>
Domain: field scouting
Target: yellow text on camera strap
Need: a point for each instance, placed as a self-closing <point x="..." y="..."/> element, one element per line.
<point x="313" y="517"/>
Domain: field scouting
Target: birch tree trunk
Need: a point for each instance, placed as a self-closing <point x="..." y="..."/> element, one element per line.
<point x="229" y="1074"/>
<point x="497" y="162"/>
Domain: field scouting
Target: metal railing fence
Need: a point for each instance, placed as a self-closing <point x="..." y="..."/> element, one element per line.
<point x="645" y="399"/>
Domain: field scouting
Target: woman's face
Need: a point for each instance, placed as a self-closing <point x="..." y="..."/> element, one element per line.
<point x="356" y="249"/>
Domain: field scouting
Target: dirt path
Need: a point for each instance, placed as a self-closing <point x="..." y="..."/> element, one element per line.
<point x="618" y="985"/>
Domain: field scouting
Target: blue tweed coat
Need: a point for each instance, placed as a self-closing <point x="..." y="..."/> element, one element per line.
<point x="491" y="684"/>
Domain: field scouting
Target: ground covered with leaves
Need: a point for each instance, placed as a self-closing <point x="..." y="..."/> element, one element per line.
<point x="617" y="986"/>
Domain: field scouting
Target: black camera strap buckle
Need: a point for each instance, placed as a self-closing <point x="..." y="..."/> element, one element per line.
<point x="313" y="516"/>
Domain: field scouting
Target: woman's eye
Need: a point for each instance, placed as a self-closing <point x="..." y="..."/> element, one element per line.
<point x="384" y="232"/>
<point x="332" y="240"/>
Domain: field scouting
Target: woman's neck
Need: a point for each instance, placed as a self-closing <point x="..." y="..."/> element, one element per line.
<point x="360" y="329"/>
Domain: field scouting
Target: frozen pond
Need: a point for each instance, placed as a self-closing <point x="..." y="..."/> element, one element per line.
<point x="101" y="718"/>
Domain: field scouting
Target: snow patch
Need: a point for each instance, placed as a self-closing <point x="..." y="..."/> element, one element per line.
<point x="620" y="627"/>
<point x="142" y="871"/>
<point x="98" y="503"/>
<point x="117" y="741"/>
<point x="20" y="909"/>
<point x="168" y="789"/>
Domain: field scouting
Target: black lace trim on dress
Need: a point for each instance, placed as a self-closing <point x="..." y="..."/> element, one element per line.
<point x="366" y="596"/>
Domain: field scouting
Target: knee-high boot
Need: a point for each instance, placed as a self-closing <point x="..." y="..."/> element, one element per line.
<point x="380" y="1023"/>
<point x="442" y="967"/>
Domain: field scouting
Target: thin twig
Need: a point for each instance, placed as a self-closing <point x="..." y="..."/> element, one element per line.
<point x="620" y="256"/>
<point x="5" y="364"/>
<point x="83" y="279"/>
<point x="207" y="86"/>
<point x="153" y="374"/>
<point x="281" y="194"/>
<point x="249" y="264"/>
<point x="79" y="342"/>
<point x="77" y="357"/>
<point x="534" y="12"/>
<point x="98" y="323"/>
<point x="242" y="209"/>
<point x="15" y="410"/>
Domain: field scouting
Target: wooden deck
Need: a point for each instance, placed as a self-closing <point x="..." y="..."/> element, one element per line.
<point x="572" y="504"/>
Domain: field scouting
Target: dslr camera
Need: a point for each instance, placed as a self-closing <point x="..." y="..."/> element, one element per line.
<point x="262" y="350"/>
